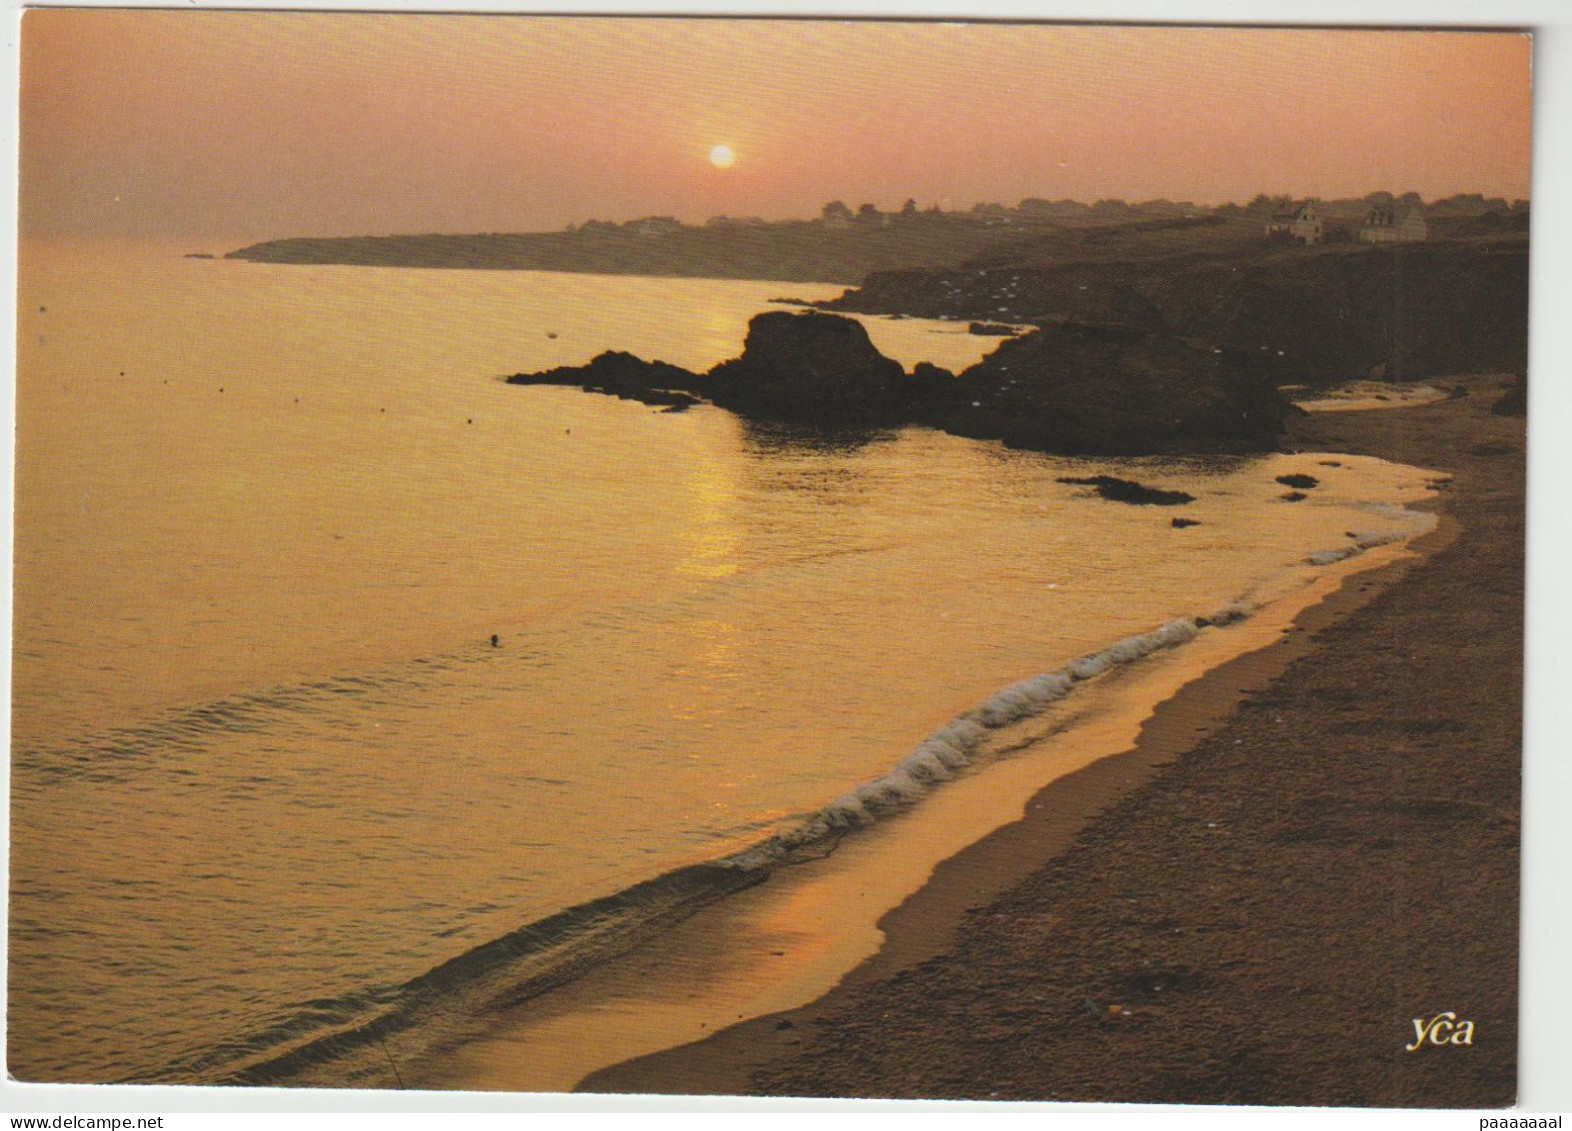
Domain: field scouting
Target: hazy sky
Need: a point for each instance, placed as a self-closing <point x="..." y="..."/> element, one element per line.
<point x="242" y="125"/>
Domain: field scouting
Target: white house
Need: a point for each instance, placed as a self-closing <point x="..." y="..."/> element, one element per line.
<point x="658" y="226"/>
<point x="1300" y="225"/>
<point x="1391" y="225"/>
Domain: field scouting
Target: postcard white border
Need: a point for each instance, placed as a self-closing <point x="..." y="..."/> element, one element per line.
<point x="1546" y="984"/>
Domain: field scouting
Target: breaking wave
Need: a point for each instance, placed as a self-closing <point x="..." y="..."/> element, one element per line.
<point x="1361" y="542"/>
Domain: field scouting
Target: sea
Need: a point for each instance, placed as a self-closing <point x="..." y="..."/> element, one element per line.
<point x="355" y="690"/>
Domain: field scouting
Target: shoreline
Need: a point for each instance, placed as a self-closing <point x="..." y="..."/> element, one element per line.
<point x="824" y="1049"/>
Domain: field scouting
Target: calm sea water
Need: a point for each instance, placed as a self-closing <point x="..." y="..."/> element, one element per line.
<point x="268" y="519"/>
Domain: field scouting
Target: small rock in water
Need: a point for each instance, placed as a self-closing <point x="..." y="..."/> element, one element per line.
<point x="1181" y="523"/>
<point x="1294" y="496"/>
<point x="1119" y="490"/>
<point x="1298" y="481"/>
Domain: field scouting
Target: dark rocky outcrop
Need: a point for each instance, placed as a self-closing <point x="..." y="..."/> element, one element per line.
<point x="992" y="329"/>
<point x="1299" y="480"/>
<point x="809" y="367"/>
<point x="1514" y="402"/>
<point x="1405" y="312"/>
<point x="1314" y="315"/>
<point x="620" y="374"/>
<point x="930" y="394"/>
<point x="1119" y="490"/>
<point x="1102" y="389"/>
<point x="1086" y="389"/>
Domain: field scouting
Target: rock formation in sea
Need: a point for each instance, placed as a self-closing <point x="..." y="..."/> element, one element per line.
<point x="1108" y="389"/>
<point x="620" y="374"/>
<point x="1118" y="490"/>
<point x="809" y="367"/>
<point x="1072" y="388"/>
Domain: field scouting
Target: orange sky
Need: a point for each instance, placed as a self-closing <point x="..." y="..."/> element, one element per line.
<point x="246" y="125"/>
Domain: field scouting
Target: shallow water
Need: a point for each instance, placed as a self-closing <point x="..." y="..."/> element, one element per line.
<point x="267" y="764"/>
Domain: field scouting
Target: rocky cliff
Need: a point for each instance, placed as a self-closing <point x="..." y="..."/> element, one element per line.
<point x="1315" y="315"/>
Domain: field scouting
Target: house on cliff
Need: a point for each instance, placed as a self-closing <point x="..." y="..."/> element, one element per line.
<point x="1296" y="225"/>
<point x="658" y="225"/>
<point x="1393" y="225"/>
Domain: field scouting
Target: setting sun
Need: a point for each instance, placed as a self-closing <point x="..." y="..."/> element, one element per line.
<point x="722" y="157"/>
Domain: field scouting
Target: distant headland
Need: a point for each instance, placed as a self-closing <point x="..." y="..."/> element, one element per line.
<point x="846" y="245"/>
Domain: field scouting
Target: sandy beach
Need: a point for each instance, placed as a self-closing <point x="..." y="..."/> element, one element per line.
<point x="1307" y="848"/>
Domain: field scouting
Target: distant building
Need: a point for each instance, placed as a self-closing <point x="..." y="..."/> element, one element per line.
<point x="1394" y="225"/>
<point x="658" y="225"/>
<point x="735" y="222"/>
<point x="1297" y="225"/>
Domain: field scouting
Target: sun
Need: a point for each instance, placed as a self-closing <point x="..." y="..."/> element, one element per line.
<point x="722" y="157"/>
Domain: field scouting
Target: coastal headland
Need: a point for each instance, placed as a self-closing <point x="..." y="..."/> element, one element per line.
<point x="1307" y="849"/>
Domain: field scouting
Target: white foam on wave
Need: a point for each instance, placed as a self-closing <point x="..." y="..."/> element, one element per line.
<point x="956" y="745"/>
<point x="1419" y="522"/>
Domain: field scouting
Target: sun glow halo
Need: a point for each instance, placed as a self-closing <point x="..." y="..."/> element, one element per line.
<point x="722" y="157"/>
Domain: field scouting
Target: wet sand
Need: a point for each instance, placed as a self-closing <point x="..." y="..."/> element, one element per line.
<point x="1306" y="849"/>
<point x="1357" y="396"/>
